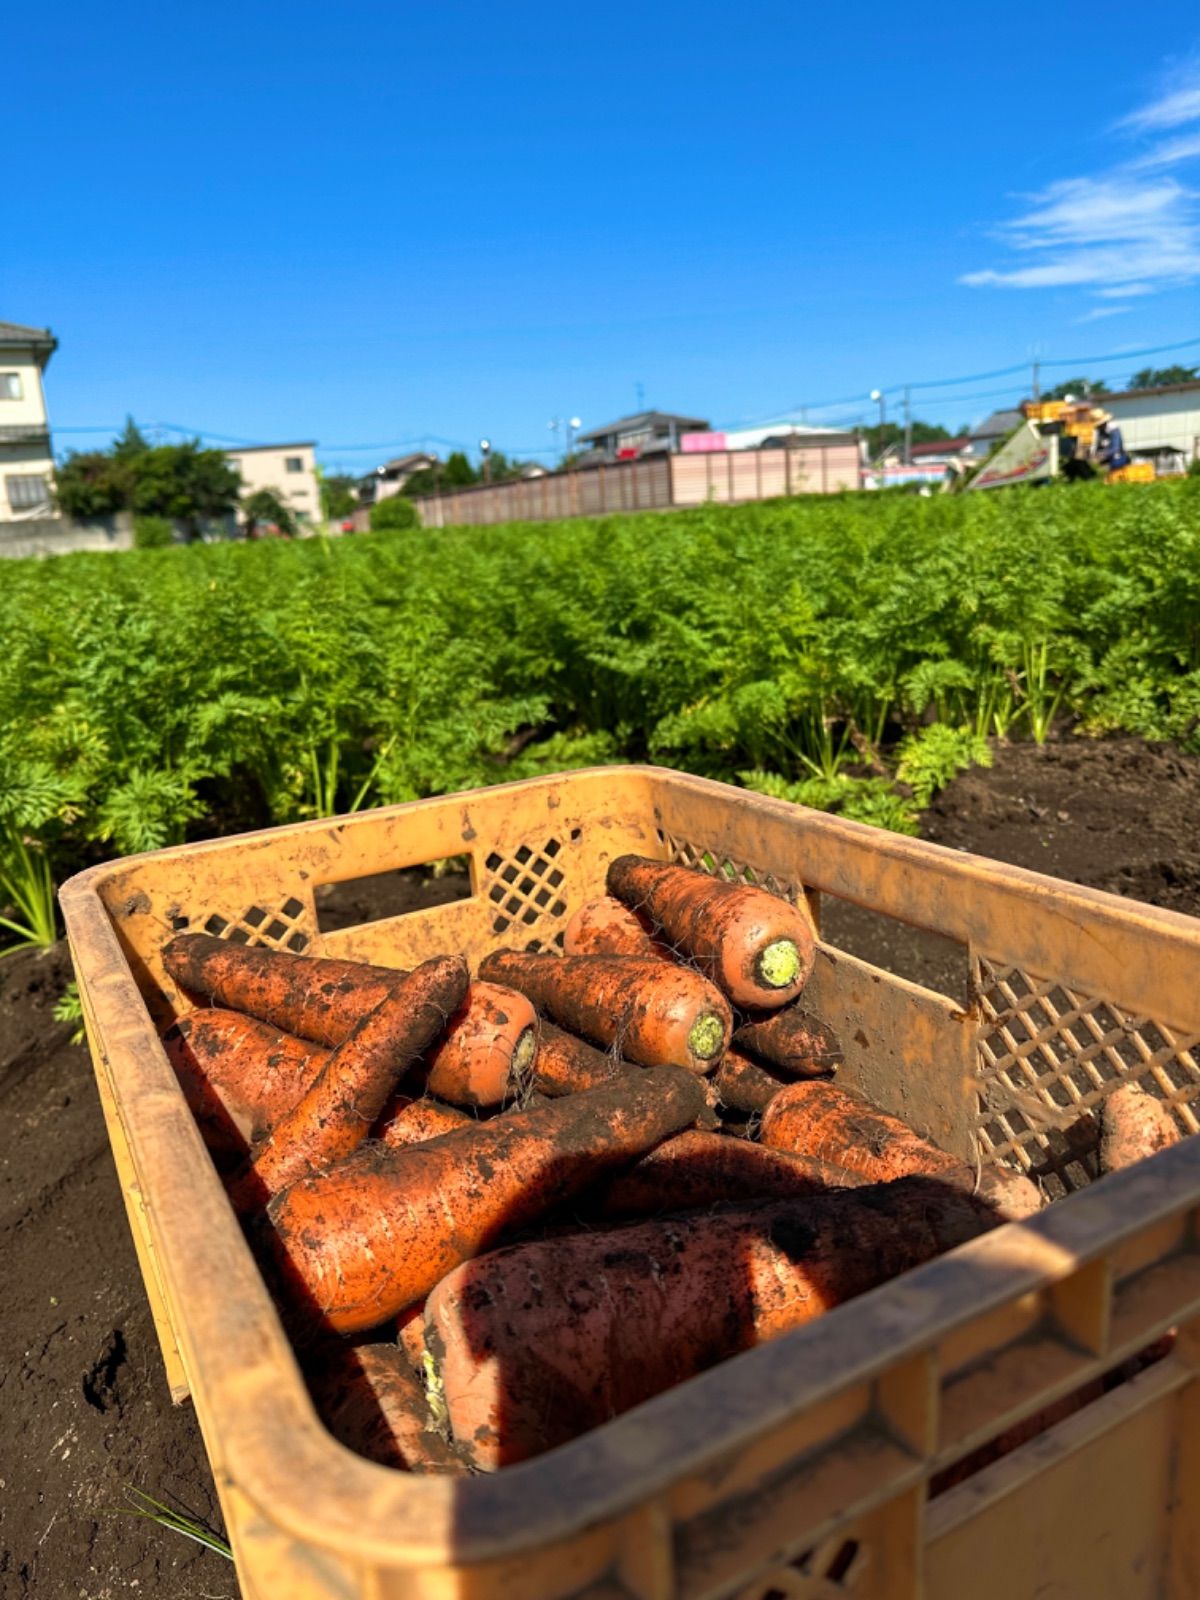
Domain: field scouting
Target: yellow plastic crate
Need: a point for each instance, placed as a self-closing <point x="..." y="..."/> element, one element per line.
<point x="799" y="1470"/>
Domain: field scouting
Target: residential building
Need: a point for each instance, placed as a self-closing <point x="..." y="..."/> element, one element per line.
<point x="646" y="433"/>
<point x="774" y="436"/>
<point x="26" y="460"/>
<point x="390" y="478"/>
<point x="290" y="470"/>
<point x="1158" y="423"/>
<point x="984" y="439"/>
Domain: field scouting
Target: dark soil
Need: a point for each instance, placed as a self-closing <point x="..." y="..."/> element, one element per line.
<point x="83" y="1399"/>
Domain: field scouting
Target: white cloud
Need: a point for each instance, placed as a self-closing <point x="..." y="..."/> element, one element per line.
<point x="1097" y="312"/>
<point x="1130" y="230"/>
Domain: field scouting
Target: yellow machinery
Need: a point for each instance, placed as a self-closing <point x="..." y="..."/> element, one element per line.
<point x="1062" y="438"/>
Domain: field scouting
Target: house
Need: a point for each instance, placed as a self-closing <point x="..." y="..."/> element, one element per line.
<point x="26" y="461"/>
<point x="390" y="478"/>
<point x="984" y="439"/>
<point x="289" y="470"/>
<point x="645" y="433"/>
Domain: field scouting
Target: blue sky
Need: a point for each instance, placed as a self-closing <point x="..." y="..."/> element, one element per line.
<point x="368" y="224"/>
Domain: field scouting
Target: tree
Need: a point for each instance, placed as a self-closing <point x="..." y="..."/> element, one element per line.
<point x="879" y="438"/>
<point x="395" y="512"/>
<point x="264" y="509"/>
<point x="1077" y="388"/>
<point x="339" y="495"/>
<point x="185" y="483"/>
<point x="1160" y="377"/>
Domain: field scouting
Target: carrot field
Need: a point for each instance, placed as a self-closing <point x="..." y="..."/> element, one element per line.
<point x="851" y="653"/>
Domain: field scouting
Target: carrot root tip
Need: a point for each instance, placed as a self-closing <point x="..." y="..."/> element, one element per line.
<point x="779" y="964"/>
<point x="707" y="1036"/>
<point x="435" y="1393"/>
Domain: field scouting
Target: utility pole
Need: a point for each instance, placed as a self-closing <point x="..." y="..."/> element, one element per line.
<point x="907" y="429"/>
<point x="1037" y="387"/>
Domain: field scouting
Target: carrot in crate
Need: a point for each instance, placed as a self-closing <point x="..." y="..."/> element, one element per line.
<point x="655" y="1013"/>
<point x="755" y="946"/>
<point x="359" y="1242"/>
<point x="537" y="1343"/>
<point x="696" y="1169"/>
<point x="838" y="1125"/>
<point x="406" y="1121"/>
<point x="1133" y="1125"/>
<point x="567" y="1065"/>
<point x="238" y="1075"/>
<point x="744" y="1085"/>
<point x="487" y="1046"/>
<point x="355" y="1083"/>
<point x="372" y="1402"/>
<point x="792" y="1039"/>
<point x="607" y="927"/>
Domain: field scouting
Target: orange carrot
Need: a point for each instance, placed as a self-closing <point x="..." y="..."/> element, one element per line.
<point x="791" y="1039"/>
<point x="310" y="996"/>
<point x="755" y="946"/>
<point x="407" y="1121"/>
<point x="487" y="1052"/>
<point x="539" y="1342"/>
<point x="410" y="1336"/>
<point x="655" y="1014"/>
<point x="362" y="1240"/>
<point x="744" y="1085"/>
<point x="486" y="1046"/>
<point x="567" y="1065"/>
<point x="605" y="927"/>
<point x="238" y="1075"/>
<point x="1133" y="1125"/>
<point x="696" y="1169"/>
<point x="337" y="1112"/>
<point x="372" y="1402"/>
<point x="837" y="1125"/>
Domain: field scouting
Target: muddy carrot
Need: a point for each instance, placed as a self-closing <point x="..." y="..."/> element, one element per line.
<point x="410" y="1336"/>
<point x="406" y="1121"/>
<point x="372" y="1402"/>
<point x="539" y="1342"/>
<point x="744" y="1085"/>
<point x="354" y="1085"/>
<point x="755" y="946"/>
<point x="362" y="1240"/>
<point x="694" y="1169"/>
<point x="654" y="1013"/>
<point x="238" y="1075"/>
<point x="1133" y="1125"/>
<point x="840" y="1126"/>
<point x="606" y="927"/>
<point x="567" y="1065"/>
<point x="791" y="1039"/>
<point x="487" y="1052"/>
<point x="487" y="1043"/>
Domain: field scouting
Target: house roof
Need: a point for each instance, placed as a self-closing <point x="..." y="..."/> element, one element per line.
<point x="998" y="424"/>
<point x="1138" y="394"/>
<point x="650" y="420"/>
<point x="17" y="334"/>
<point x="250" y="449"/>
<point x="407" y="463"/>
<point x="939" y="447"/>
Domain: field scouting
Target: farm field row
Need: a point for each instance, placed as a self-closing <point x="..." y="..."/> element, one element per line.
<point x="849" y="653"/>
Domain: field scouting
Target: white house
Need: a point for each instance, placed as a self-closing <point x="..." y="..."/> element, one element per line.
<point x="290" y="470"/>
<point x="1158" y="421"/>
<point x="26" y="461"/>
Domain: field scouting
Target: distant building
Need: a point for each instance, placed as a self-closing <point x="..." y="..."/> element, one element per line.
<point x="645" y="433"/>
<point x="26" y="460"/>
<point x="1158" y="423"/>
<point x="774" y="436"/>
<point x="390" y="478"/>
<point x="290" y="470"/>
<point x="984" y="439"/>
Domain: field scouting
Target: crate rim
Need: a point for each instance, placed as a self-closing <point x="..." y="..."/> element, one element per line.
<point x="385" y="1515"/>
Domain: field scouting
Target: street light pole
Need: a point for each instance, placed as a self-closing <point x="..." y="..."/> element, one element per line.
<point x="485" y="446"/>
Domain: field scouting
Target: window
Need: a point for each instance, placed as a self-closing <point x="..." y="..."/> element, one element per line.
<point x="293" y="463"/>
<point x="10" y="386"/>
<point x="27" y="489"/>
<point x="235" y="463"/>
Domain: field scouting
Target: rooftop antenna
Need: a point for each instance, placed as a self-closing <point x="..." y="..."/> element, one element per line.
<point x="640" y="390"/>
